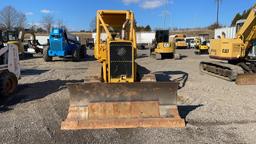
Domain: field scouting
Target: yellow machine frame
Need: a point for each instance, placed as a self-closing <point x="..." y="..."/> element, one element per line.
<point x="161" y="48"/>
<point x="233" y="49"/>
<point x="120" y="102"/>
<point x="101" y="48"/>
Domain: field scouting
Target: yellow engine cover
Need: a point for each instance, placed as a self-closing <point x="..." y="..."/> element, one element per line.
<point x="165" y="47"/>
<point x="181" y="44"/>
<point x="203" y="47"/>
<point x="227" y="49"/>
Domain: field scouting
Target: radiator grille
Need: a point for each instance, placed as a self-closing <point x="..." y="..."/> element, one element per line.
<point x="56" y="45"/>
<point x="120" y="60"/>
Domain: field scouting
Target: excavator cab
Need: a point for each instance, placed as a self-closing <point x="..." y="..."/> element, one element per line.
<point x="119" y="99"/>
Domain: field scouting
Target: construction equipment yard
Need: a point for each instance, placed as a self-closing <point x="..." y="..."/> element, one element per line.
<point x="215" y="110"/>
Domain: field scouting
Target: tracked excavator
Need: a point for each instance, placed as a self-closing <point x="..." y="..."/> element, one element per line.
<point x="239" y="54"/>
<point x="162" y="46"/>
<point x="119" y="98"/>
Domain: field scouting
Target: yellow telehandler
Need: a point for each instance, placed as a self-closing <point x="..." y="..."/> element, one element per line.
<point x="120" y="99"/>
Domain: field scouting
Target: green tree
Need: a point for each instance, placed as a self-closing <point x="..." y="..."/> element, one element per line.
<point x="246" y="13"/>
<point x="147" y="28"/>
<point x="236" y="18"/>
<point x="142" y="28"/>
<point x="239" y="16"/>
<point x="214" y="26"/>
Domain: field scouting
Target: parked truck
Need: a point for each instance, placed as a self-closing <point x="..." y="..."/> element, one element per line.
<point x="180" y="41"/>
<point x="144" y="39"/>
<point x="63" y="44"/>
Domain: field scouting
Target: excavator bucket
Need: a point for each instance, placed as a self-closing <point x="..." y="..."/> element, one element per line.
<point x="246" y="79"/>
<point x="122" y="105"/>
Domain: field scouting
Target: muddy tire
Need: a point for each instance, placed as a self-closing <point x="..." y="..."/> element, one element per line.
<point x="76" y="55"/>
<point x="8" y="84"/>
<point x="46" y="57"/>
<point x="177" y="56"/>
<point x="158" y="56"/>
<point x="83" y="52"/>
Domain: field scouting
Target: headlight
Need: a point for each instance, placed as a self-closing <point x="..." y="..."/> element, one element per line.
<point x="166" y="45"/>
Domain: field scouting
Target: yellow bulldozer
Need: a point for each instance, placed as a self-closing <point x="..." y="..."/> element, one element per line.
<point x="162" y="47"/>
<point x="119" y="98"/>
<point x="240" y="54"/>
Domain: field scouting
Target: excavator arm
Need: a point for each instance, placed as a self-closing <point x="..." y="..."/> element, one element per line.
<point x="247" y="32"/>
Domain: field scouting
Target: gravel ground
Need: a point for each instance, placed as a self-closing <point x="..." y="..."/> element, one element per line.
<point x="216" y="111"/>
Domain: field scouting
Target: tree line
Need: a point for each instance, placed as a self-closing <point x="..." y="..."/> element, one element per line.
<point x="240" y="16"/>
<point x="12" y="19"/>
<point x="138" y="28"/>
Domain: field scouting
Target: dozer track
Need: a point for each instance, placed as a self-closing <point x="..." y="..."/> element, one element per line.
<point x="222" y="70"/>
<point x="98" y="105"/>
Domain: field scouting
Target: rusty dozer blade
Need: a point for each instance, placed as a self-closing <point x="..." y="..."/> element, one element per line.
<point x="246" y="79"/>
<point x="123" y="105"/>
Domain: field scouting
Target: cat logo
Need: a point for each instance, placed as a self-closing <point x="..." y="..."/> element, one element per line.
<point x="225" y="50"/>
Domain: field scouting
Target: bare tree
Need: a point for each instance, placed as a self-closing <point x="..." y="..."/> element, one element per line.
<point x="22" y="19"/>
<point x="10" y="18"/>
<point x="60" y="23"/>
<point x="93" y="25"/>
<point x="2" y="26"/>
<point x="47" y="22"/>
